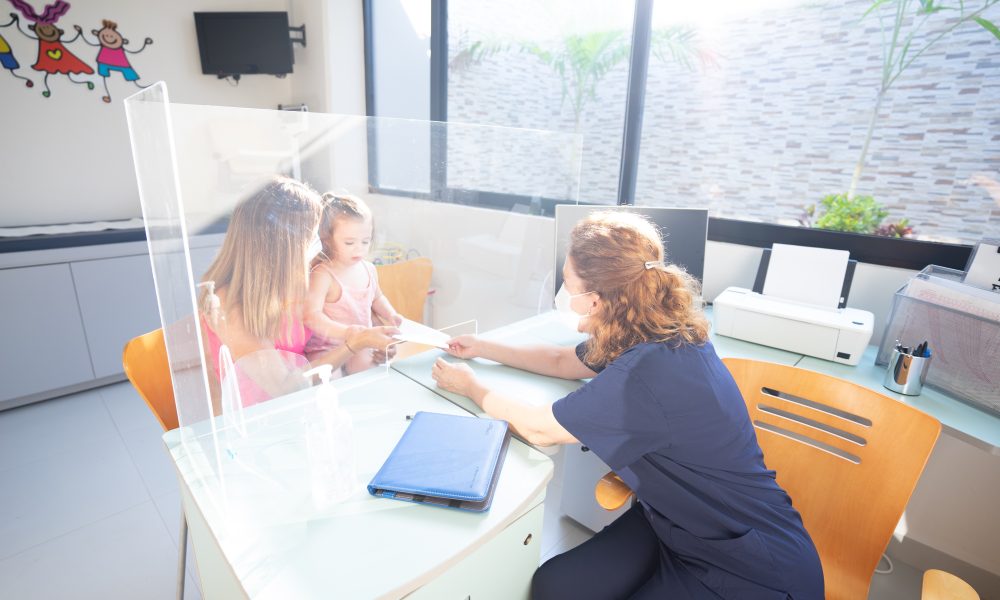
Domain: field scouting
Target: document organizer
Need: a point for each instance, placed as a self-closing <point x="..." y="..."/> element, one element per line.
<point x="961" y="324"/>
<point x="445" y="460"/>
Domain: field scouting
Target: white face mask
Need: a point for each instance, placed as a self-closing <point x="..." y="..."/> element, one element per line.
<point x="564" y="298"/>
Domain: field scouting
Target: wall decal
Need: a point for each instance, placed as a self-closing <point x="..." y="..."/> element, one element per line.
<point x="112" y="56"/>
<point x="7" y="60"/>
<point x="53" y="56"/>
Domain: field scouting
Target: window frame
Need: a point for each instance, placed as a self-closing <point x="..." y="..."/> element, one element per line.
<point x="877" y="250"/>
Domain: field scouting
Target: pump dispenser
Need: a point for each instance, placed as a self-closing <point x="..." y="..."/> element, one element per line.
<point x="329" y="443"/>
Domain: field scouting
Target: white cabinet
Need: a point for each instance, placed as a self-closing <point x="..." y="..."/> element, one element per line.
<point x="43" y="342"/>
<point x="117" y="302"/>
<point x="66" y="314"/>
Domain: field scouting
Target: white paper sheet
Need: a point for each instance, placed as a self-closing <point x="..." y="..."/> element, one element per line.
<point x="984" y="272"/>
<point x="411" y="331"/>
<point x="809" y="275"/>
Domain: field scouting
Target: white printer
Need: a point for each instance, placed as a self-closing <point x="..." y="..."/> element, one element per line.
<point x="835" y="333"/>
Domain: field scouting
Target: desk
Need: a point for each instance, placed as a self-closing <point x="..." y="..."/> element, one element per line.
<point x="945" y="519"/>
<point x="257" y="531"/>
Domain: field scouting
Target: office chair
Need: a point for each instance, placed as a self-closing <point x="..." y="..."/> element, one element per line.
<point x="831" y="443"/>
<point x="406" y="285"/>
<point x="145" y="361"/>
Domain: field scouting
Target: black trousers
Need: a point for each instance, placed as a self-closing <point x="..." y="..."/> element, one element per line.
<point x="622" y="561"/>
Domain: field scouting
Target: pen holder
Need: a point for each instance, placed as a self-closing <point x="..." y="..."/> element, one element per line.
<point x="906" y="373"/>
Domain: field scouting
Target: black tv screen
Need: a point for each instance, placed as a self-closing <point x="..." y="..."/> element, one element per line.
<point x="242" y="43"/>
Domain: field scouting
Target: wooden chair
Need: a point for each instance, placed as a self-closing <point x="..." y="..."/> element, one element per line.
<point x="406" y="285"/>
<point x="939" y="585"/>
<point x="848" y="456"/>
<point x="146" y="366"/>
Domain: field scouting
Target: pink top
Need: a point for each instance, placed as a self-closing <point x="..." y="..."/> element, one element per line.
<point x="113" y="57"/>
<point x="354" y="307"/>
<point x="294" y="341"/>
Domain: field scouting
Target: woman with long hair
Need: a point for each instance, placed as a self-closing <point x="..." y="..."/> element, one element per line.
<point x="253" y="293"/>
<point x="663" y="411"/>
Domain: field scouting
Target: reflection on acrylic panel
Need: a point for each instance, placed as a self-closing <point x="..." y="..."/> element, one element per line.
<point x="291" y="282"/>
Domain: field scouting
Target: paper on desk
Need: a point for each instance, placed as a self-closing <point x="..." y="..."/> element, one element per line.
<point x="808" y="275"/>
<point x="411" y="331"/>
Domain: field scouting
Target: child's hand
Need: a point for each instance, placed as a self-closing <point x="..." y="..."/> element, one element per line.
<point x="464" y="346"/>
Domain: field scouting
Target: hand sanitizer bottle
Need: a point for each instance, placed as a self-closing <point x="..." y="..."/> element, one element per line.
<point x="329" y="444"/>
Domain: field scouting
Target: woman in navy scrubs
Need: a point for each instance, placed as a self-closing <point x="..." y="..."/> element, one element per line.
<point x="664" y="413"/>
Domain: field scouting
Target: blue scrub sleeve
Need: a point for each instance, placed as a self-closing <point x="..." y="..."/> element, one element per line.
<point x="616" y="416"/>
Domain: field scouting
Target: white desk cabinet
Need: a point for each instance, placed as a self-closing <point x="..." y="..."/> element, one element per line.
<point x="117" y="302"/>
<point x="44" y="345"/>
<point x="66" y="313"/>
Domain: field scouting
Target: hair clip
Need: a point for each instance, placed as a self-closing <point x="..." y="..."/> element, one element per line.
<point x="654" y="263"/>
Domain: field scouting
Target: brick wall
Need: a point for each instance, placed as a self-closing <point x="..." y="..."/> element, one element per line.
<point x="775" y="124"/>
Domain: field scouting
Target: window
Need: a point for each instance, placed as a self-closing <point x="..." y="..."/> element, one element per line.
<point x="759" y="110"/>
<point x="543" y="64"/>
<point x="763" y="108"/>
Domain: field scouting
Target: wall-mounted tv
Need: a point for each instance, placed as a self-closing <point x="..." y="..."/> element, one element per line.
<point x="244" y="43"/>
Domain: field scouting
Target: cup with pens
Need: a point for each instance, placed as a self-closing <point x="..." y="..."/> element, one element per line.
<point x="907" y="368"/>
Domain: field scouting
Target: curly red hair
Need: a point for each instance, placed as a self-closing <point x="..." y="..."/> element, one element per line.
<point x="609" y="251"/>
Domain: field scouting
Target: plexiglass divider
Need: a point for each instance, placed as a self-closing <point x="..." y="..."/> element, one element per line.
<point x="259" y="331"/>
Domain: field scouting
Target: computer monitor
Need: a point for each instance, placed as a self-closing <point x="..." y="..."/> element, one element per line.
<point x="683" y="231"/>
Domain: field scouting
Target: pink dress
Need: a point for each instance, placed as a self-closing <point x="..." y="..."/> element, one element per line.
<point x="354" y="307"/>
<point x="293" y="342"/>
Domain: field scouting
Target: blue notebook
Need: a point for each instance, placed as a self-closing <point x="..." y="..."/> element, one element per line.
<point x="445" y="460"/>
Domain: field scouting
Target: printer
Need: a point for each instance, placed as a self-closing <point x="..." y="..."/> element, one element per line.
<point x="834" y="333"/>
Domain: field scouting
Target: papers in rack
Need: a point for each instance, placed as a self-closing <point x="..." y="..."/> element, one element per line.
<point x="984" y="266"/>
<point x="411" y="331"/>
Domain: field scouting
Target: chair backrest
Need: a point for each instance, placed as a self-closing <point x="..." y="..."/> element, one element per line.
<point x="145" y="362"/>
<point x="406" y="284"/>
<point x="848" y="456"/>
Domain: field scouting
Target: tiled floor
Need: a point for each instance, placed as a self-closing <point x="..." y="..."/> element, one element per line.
<point x="89" y="506"/>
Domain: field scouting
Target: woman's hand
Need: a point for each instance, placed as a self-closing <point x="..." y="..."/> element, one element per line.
<point x="454" y="377"/>
<point x="464" y="346"/>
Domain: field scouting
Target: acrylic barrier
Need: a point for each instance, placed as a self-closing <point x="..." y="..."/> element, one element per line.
<point x="336" y="247"/>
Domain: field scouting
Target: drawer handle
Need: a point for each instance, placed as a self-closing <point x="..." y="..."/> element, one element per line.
<point x="527" y="540"/>
<point x="584" y="449"/>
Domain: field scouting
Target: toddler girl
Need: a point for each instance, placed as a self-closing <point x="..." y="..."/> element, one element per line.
<point x="343" y="286"/>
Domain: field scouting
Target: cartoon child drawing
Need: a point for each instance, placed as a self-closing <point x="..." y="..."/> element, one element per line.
<point x="112" y="54"/>
<point x="7" y="59"/>
<point x="53" y="57"/>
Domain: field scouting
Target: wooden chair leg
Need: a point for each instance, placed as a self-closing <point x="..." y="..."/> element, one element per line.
<point x="182" y="556"/>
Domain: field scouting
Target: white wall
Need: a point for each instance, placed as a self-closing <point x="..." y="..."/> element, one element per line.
<point x="67" y="158"/>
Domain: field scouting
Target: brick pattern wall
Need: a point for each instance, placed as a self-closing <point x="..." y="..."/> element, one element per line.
<point x="775" y="124"/>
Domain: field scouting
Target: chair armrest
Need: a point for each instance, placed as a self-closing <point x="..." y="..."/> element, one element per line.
<point x="611" y="492"/>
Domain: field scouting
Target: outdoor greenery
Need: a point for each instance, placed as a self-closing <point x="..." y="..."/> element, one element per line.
<point x="900" y="22"/>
